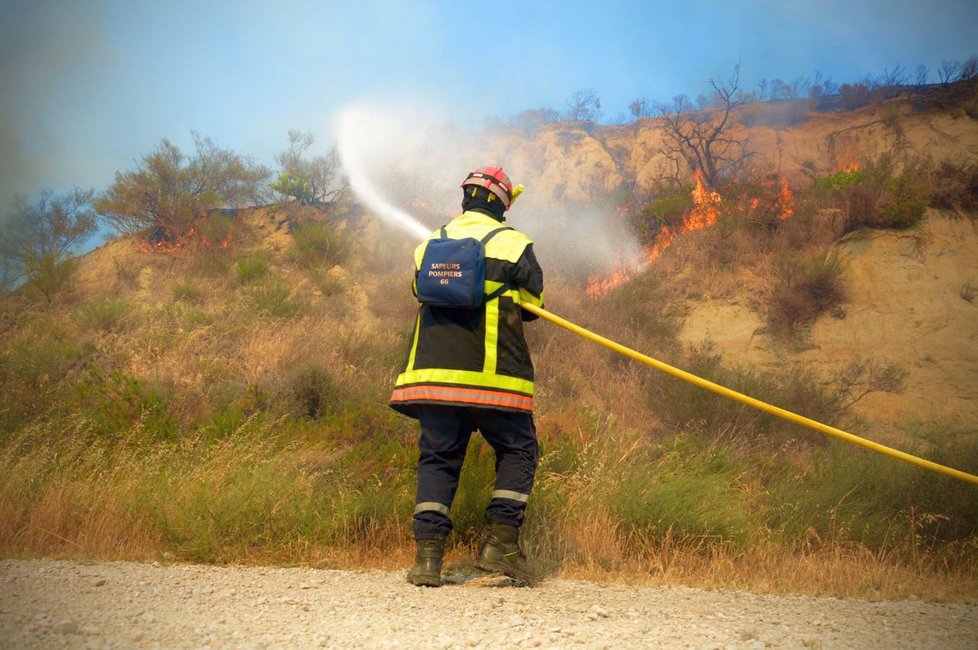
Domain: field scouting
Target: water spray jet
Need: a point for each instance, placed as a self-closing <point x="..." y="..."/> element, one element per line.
<point x="351" y="125"/>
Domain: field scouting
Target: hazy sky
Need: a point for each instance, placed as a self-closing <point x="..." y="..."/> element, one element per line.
<point x="88" y="87"/>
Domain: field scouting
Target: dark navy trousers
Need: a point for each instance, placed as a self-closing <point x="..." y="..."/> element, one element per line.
<point x="445" y="434"/>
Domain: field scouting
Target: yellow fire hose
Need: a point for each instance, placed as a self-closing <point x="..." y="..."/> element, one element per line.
<point x="746" y="399"/>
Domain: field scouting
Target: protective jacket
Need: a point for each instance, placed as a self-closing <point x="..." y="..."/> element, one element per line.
<point x="476" y="357"/>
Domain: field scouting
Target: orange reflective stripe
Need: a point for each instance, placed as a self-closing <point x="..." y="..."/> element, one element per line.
<point x="462" y="396"/>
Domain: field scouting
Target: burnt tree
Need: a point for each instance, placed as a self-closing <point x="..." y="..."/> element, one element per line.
<point x="703" y="138"/>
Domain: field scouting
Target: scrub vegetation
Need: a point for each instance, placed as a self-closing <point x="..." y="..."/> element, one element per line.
<point x="240" y="416"/>
<point x="224" y="400"/>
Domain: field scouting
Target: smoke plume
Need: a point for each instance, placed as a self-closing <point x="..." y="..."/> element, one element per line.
<point x="407" y="164"/>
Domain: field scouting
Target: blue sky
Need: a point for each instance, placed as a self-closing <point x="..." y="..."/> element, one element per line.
<point x="88" y="87"/>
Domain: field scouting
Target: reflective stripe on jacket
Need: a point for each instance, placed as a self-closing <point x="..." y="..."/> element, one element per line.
<point x="476" y="357"/>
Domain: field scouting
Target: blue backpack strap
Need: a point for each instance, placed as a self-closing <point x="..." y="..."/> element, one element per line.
<point x="501" y="290"/>
<point x="490" y="235"/>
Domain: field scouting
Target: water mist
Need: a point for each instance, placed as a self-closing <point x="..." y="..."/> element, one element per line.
<point x="406" y="165"/>
<point x="362" y="136"/>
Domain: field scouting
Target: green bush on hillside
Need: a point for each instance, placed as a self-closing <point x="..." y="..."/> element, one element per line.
<point x="683" y="406"/>
<point x="169" y="192"/>
<point x="665" y="210"/>
<point x="876" y="195"/>
<point x="907" y="197"/>
<point x="49" y="274"/>
<point x="803" y="290"/>
<point x="38" y="237"/>
<point x="321" y="244"/>
<point x="250" y="268"/>
<point x="310" y="391"/>
<point x="840" y="180"/>
<point x="860" y="496"/>
<point x="123" y="407"/>
<point x="105" y="314"/>
<point x="273" y="296"/>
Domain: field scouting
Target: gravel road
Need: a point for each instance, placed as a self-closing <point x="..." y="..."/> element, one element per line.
<point x="58" y="604"/>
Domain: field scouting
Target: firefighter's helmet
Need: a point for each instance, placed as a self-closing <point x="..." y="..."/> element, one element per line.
<point x="495" y="180"/>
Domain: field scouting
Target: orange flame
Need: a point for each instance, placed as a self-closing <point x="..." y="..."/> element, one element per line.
<point x="597" y="287"/>
<point x="706" y="207"/>
<point x="786" y="201"/>
<point x="171" y="243"/>
<point x="703" y="215"/>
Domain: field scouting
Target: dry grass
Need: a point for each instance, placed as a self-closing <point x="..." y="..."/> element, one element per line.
<point x="71" y="520"/>
<point x="842" y="571"/>
<point x="229" y="471"/>
<point x="44" y="514"/>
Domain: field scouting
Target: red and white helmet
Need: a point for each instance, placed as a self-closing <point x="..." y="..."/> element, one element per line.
<point x="493" y="179"/>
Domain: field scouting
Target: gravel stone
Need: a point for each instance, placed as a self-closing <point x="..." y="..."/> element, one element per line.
<point x="51" y="603"/>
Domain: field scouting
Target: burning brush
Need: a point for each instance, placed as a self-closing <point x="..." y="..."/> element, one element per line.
<point x="703" y="215"/>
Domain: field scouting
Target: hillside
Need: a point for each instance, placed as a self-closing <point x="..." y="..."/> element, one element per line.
<point x="908" y="302"/>
<point x="227" y="403"/>
<point x="570" y="163"/>
<point x="910" y="294"/>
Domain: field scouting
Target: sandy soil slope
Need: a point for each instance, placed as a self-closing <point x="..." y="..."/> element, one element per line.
<point x="907" y="303"/>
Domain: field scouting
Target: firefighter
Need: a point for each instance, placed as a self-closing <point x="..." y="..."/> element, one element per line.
<point x="468" y="370"/>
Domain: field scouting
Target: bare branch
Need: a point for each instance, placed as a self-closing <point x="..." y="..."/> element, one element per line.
<point x="584" y="104"/>
<point x="703" y="138"/>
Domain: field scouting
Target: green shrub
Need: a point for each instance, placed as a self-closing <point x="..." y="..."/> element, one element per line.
<point x="875" y="195"/>
<point x="189" y="291"/>
<point x="251" y="268"/>
<point x="330" y="282"/>
<point x="217" y="230"/>
<point x="847" y="496"/>
<point x="122" y="407"/>
<point x="105" y="313"/>
<point x="860" y="208"/>
<point x="274" y="297"/>
<point x="199" y="318"/>
<point x="804" y="290"/>
<point x="38" y="360"/>
<point x="33" y="372"/>
<point x="708" y="416"/>
<point x="690" y="492"/>
<point x="49" y="274"/>
<point x="311" y="391"/>
<point x="854" y="495"/>
<point x="951" y="499"/>
<point x="907" y="196"/>
<point x="666" y="210"/>
<point x="474" y="489"/>
<point x="840" y="180"/>
<point x="321" y="244"/>
<point x="168" y="190"/>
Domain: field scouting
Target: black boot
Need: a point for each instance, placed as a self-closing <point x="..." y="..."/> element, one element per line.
<point x="428" y="555"/>
<point x="500" y="553"/>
